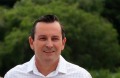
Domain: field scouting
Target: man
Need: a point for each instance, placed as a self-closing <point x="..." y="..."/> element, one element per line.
<point x="47" y="40"/>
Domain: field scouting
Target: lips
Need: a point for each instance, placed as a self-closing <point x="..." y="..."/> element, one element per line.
<point x="49" y="50"/>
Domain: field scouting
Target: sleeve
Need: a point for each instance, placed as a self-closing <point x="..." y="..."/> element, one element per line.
<point x="10" y="74"/>
<point x="7" y="76"/>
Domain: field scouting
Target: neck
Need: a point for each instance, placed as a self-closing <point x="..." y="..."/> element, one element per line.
<point x="46" y="67"/>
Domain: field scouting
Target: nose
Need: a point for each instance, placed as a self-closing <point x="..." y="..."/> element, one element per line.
<point x="49" y="44"/>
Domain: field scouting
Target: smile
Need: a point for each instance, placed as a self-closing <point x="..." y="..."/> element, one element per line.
<point x="49" y="51"/>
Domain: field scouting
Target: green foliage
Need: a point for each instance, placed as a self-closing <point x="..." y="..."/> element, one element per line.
<point x="2" y="27"/>
<point x="104" y="73"/>
<point x="101" y="74"/>
<point x="93" y="6"/>
<point x="91" y="40"/>
<point x="112" y="13"/>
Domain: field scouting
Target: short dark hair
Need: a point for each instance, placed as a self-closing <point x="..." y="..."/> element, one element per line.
<point x="47" y="19"/>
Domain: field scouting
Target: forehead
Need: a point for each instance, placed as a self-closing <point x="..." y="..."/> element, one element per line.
<point x="48" y="28"/>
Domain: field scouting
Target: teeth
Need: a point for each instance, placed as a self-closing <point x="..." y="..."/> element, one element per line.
<point x="49" y="50"/>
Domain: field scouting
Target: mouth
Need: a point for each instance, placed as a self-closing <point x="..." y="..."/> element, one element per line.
<point x="48" y="51"/>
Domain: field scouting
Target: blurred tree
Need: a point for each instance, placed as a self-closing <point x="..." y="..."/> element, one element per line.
<point x="2" y="27"/>
<point x="93" y="6"/>
<point x="8" y="3"/>
<point x="109" y="9"/>
<point x="112" y="13"/>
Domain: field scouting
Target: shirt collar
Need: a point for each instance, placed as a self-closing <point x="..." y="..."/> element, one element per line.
<point x="31" y="64"/>
<point x="61" y="68"/>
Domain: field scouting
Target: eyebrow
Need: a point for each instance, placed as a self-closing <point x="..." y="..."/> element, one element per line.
<point x="55" y="36"/>
<point x="41" y="35"/>
<point x="45" y="36"/>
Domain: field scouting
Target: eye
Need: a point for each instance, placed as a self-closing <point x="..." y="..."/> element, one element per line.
<point x="42" y="38"/>
<point x="55" y="39"/>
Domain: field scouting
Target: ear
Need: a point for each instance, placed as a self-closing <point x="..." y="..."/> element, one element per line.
<point x="31" y="42"/>
<point x="63" y="43"/>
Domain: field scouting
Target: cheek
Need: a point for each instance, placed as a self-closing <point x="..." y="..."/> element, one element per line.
<point x="59" y="46"/>
<point x="37" y="45"/>
<point x="62" y="48"/>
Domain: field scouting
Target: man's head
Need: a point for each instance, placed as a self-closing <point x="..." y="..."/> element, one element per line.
<point x="47" y="38"/>
<point x="47" y="19"/>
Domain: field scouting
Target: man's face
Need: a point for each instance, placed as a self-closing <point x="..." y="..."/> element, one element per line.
<point x="47" y="43"/>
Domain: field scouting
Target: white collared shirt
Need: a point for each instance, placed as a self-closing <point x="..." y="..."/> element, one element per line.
<point x="63" y="70"/>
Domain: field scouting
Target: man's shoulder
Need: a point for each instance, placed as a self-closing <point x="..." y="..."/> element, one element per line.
<point x="17" y="69"/>
<point x="75" y="69"/>
<point x="71" y="66"/>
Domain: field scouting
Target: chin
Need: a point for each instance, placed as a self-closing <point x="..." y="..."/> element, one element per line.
<point x="51" y="59"/>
